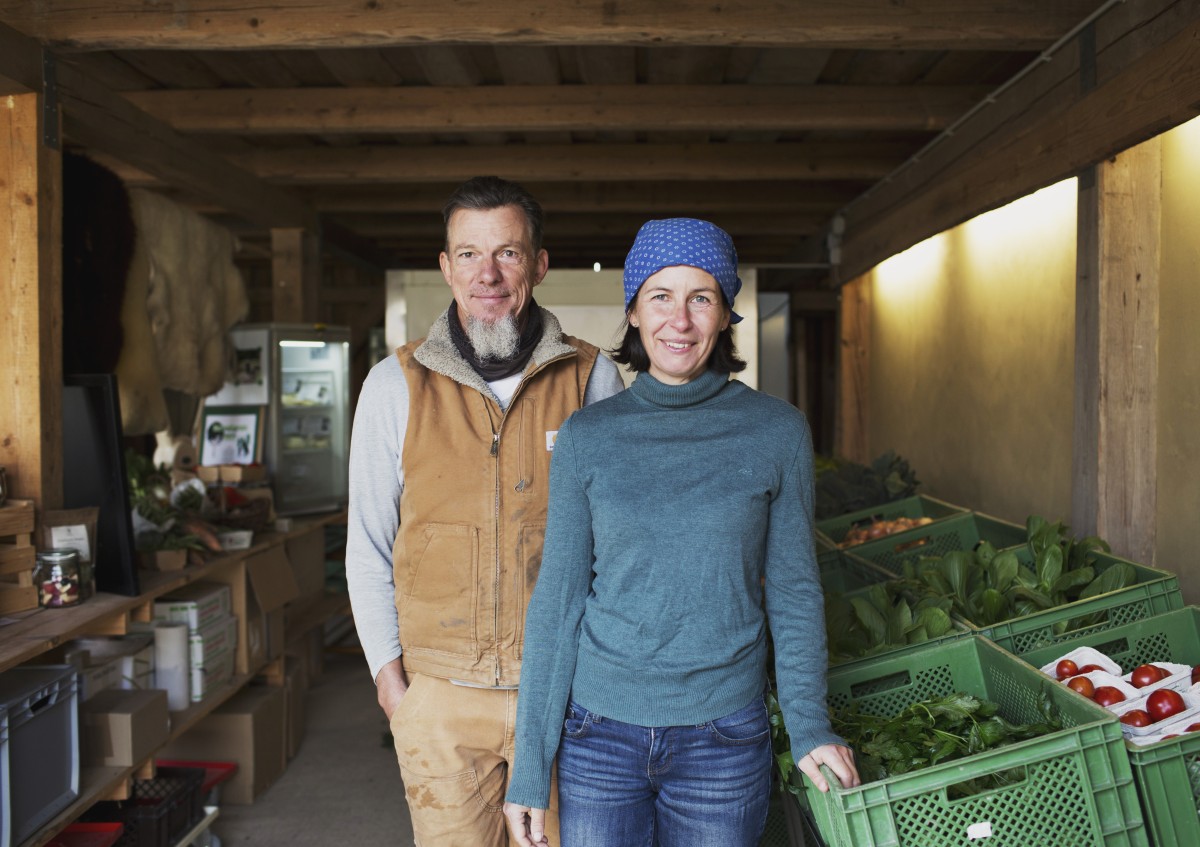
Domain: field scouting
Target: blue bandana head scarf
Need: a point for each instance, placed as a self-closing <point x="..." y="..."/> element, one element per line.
<point x="683" y="241"/>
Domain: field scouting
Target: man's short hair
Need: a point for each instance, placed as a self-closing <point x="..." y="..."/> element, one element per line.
<point x="482" y="193"/>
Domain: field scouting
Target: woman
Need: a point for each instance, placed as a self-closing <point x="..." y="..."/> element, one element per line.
<point x="680" y="522"/>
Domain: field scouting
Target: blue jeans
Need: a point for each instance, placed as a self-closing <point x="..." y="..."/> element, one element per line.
<point x="621" y="785"/>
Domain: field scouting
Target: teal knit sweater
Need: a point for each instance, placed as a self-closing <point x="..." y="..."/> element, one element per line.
<point x="669" y="504"/>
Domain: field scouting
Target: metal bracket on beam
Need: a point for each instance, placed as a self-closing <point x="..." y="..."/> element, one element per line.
<point x="50" y="101"/>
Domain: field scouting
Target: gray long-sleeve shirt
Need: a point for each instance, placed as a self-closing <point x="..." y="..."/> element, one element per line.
<point x="376" y="481"/>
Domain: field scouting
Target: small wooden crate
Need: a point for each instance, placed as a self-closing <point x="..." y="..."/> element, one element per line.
<point x="17" y="557"/>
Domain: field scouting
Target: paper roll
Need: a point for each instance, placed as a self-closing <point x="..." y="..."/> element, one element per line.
<point x="171" y="672"/>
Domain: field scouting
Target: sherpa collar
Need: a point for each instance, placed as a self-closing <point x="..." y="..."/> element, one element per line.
<point x="438" y="353"/>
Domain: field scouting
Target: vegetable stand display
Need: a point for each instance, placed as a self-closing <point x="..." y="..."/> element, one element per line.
<point x="1067" y="786"/>
<point x="952" y="533"/>
<point x="1167" y="772"/>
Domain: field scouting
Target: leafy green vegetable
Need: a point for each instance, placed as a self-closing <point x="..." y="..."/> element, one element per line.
<point x="986" y="586"/>
<point x="844" y="486"/>
<point x="879" y="619"/>
<point x="924" y="734"/>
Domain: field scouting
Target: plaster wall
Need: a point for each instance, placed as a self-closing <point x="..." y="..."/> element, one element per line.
<point x="971" y="358"/>
<point x="1179" y="360"/>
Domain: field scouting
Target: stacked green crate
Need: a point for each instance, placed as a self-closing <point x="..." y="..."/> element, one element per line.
<point x="1155" y="592"/>
<point x="1168" y="772"/>
<point x="1077" y="786"/>
<point x="835" y="529"/>
<point x="956" y="532"/>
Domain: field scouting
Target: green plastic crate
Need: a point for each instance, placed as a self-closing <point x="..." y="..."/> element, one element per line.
<point x="1167" y="773"/>
<point x="959" y="532"/>
<point x="1078" y="789"/>
<point x="835" y="529"/>
<point x="1155" y="592"/>
<point x="843" y="573"/>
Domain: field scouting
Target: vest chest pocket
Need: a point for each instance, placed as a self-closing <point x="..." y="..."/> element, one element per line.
<point x="441" y="590"/>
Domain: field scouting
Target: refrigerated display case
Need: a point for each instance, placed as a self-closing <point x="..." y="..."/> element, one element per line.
<point x="297" y="376"/>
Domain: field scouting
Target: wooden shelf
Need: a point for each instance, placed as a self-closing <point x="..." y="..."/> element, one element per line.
<point x="40" y="630"/>
<point x="315" y="614"/>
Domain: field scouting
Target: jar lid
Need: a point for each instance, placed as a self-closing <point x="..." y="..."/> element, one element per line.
<point x="58" y="556"/>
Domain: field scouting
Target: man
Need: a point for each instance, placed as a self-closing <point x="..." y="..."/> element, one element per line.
<point x="449" y="471"/>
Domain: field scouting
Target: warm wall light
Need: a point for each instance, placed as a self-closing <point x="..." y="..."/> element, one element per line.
<point x="914" y="272"/>
<point x="1021" y="221"/>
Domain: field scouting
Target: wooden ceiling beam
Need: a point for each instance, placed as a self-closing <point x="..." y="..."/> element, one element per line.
<point x="577" y="162"/>
<point x="556" y="108"/>
<point x="1045" y="129"/>
<point x="651" y="198"/>
<point x="817" y="24"/>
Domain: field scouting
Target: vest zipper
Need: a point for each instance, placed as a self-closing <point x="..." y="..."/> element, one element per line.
<point x="495" y="453"/>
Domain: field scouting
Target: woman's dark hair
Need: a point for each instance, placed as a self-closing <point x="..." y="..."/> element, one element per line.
<point x="482" y="193"/>
<point x="632" y="353"/>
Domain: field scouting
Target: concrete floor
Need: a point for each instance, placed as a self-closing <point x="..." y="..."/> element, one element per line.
<point x="343" y="787"/>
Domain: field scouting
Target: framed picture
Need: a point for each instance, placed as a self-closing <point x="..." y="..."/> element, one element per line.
<point x="231" y="435"/>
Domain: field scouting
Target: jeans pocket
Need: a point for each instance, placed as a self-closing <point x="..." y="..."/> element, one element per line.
<point x="749" y="725"/>
<point x="577" y="722"/>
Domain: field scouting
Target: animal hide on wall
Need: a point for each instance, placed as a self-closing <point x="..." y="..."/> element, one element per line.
<point x="195" y="293"/>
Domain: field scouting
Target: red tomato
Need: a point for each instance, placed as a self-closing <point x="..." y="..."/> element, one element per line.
<point x="1195" y="674"/>
<point x="1164" y="703"/>
<point x="1083" y="685"/>
<point x="1065" y="668"/>
<point x="1090" y="668"/>
<point x="1144" y="675"/>
<point x="1192" y="727"/>
<point x="1106" y="695"/>
<point x="1136" y="717"/>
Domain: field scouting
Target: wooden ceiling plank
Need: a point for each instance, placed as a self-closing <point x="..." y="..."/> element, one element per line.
<point x="360" y="68"/>
<point x="553" y="108"/>
<point x="20" y="63"/>
<point x="533" y="66"/>
<point x="578" y="162"/>
<point x="218" y="24"/>
<point x="104" y="121"/>
<point x="1151" y="83"/>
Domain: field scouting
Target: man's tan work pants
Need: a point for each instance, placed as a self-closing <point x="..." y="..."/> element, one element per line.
<point x="455" y="746"/>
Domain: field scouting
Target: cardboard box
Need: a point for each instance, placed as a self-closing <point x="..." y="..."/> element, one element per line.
<point x="95" y="675"/>
<point x="122" y="728"/>
<point x="133" y="655"/>
<point x="243" y="473"/>
<point x="247" y="729"/>
<point x="163" y="560"/>
<point x="295" y="685"/>
<point x="197" y="604"/>
<point x="307" y="554"/>
<point x="212" y="654"/>
<point x="209" y="474"/>
<point x="272" y="585"/>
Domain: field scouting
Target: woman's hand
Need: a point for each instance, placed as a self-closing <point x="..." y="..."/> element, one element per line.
<point x="528" y="826"/>
<point x="839" y="759"/>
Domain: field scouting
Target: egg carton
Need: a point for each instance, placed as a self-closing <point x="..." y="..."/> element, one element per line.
<point x="1190" y="713"/>
<point x="1083" y="656"/>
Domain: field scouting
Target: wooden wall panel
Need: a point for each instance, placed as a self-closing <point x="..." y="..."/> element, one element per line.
<point x="31" y="301"/>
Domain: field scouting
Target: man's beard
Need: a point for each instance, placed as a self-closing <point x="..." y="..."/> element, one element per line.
<point x="498" y="341"/>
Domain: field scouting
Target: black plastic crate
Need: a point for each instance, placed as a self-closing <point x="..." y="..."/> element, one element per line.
<point x="158" y="810"/>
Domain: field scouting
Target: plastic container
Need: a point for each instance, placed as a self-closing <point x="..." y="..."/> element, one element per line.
<point x="1078" y="786"/>
<point x="843" y="573"/>
<point x="215" y="773"/>
<point x="159" y="810"/>
<point x="957" y="532"/>
<point x="835" y="529"/>
<point x="88" y="835"/>
<point x="1156" y="591"/>
<point x="42" y="703"/>
<point x="1167" y="773"/>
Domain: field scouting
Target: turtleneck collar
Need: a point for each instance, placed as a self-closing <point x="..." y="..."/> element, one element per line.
<point x="704" y="387"/>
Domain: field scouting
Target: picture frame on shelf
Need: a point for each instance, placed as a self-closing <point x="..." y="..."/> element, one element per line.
<point x="231" y="435"/>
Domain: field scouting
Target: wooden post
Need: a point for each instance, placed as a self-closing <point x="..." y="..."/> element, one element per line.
<point x="31" y="301"/>
<point x="854" y="360"/>
<point x="1114" y="465"/>
<point x="295" y="275"/>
